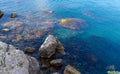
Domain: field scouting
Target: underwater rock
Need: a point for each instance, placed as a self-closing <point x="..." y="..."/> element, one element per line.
<point x="56" y="62"/>
<point x="111" y="67"/>
<point x="12" y="24"/>
<point x="13" y="15"/>
<point x="5" y="30"/>
<point x="48" y="11"/>
<point x="50" y="46"/>
<point x="13" y="61"/>
<point x="29" y="50"/>
<point x="71" y="70"/>
<point x="72" y="23"/>
<point x="1" y="14"/>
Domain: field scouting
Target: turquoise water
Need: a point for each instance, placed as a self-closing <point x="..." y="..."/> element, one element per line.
<point x="91" y="47"/>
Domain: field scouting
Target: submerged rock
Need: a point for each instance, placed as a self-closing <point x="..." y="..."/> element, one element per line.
<point x="71" y="70"/>
<point x="1" y="13"/>
<point x="50" y="46"/>
<point x="13" y="61"/>
<point x="56" y="62"/>
<point x="6" y="30"/>
<point x="29" y="50"/>
<point x="13" y="15"/>
<point x="72" y="23"/>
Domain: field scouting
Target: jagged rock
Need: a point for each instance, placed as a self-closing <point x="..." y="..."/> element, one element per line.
<point x="56" y="62"/>
<point x="1" y="13"/>
<point x="71" y="70"/>
<point x="29" y="50"/>
<point x="50" y="46"/>
<point x="13" y="61"/>
<point x="13" y="15"/>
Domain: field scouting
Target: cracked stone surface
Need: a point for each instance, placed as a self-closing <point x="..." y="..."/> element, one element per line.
<point x="13" y="61"/>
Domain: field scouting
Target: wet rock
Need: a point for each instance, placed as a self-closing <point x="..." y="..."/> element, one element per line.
<point x="29" y="50"/>
<point x="71" y="70"/>
<point x="50" y="46"/>
<point x="13" y="61"/>
<point x="5" y="30"/>
<point x="56" y="62"/>
<point x="48" y="11"/>
<point x="13" y="15"/>
<point x="1" y="14"/>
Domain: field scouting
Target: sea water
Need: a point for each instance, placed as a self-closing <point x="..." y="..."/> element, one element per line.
<point x="90" y="49"/>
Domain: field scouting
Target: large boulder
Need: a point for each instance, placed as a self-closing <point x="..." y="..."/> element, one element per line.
<point x="1" y="13"/>
<point x="50" y="46"/>
<point x="71" y="70"/>
<point x="13" y="61"/>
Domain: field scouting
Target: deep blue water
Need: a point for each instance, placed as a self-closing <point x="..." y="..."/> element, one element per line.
<point x="99" y="38"/>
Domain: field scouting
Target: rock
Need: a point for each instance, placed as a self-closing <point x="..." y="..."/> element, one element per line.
<point x="5" y="30"/>
<point x="56" y="62"/>
<point x="110" y="67"/>
<point x="1" y="14"/>
<point x="13" y="61"/>
<point x="13" y="15"/>
<point x="71" y="70"/>
<point x="50" y="46"/>
<point x="72" y="23"/>
<point x="29" y="50"/>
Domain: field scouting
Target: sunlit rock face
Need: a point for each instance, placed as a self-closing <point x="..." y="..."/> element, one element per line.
<point x="72" y="23"/>
<point x="13" y="61"/>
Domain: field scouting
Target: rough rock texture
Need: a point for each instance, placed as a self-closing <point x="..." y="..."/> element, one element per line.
<point x="50" y="46"/>
<point x="1" y="13"/>
<point x="13" y="61"/>
<point x="56" y="62"/>
<point x="70" y="70"/>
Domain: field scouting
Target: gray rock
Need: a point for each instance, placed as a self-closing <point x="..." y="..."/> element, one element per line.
<point x="56" y="62"/>
<point x="50" y="46"/>
<point x="71" y="70"/>
<point x="1" y="13"/>
<point x="13" y="61"/>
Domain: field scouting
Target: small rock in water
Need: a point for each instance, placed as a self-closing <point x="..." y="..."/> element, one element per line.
<point x="48" y="11"/>
<point x="56" y="62"/>
<point x="5" y="30"/>
<point x="29" y="50"/>
<point x="13" y="15"/>
<point x="1" y="13"/>
<point x="71" y="70"/>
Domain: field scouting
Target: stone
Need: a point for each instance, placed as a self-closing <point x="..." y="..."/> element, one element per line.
<point x="1" y="14"/>
<point x="71" y="70"/>
<point x="29" y="50"/>
<point x="13" y="15"/>
<point x="5" y="30"/>
<point x="72" y="23"/>
<point x="14" y="61"/>
<point x="56" y="62"/>
<point x="50" y="46"/>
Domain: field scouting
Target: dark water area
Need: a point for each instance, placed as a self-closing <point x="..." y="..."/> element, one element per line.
<point x="89" y="30"/>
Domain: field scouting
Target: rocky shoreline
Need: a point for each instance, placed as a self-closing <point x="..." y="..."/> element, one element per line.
<point x="15" y="61"/>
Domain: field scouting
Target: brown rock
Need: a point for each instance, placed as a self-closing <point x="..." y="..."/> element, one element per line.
<point x="1" y="13"/>
<point x="50" y="46"/>
<point x="13" y="15"/>
<point x="56" y="62"/>
<point x="29" y="50"/>
<point x="71" y="70"/>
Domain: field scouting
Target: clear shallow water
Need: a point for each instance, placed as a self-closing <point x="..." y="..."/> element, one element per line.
<point x="91" y="48"/>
